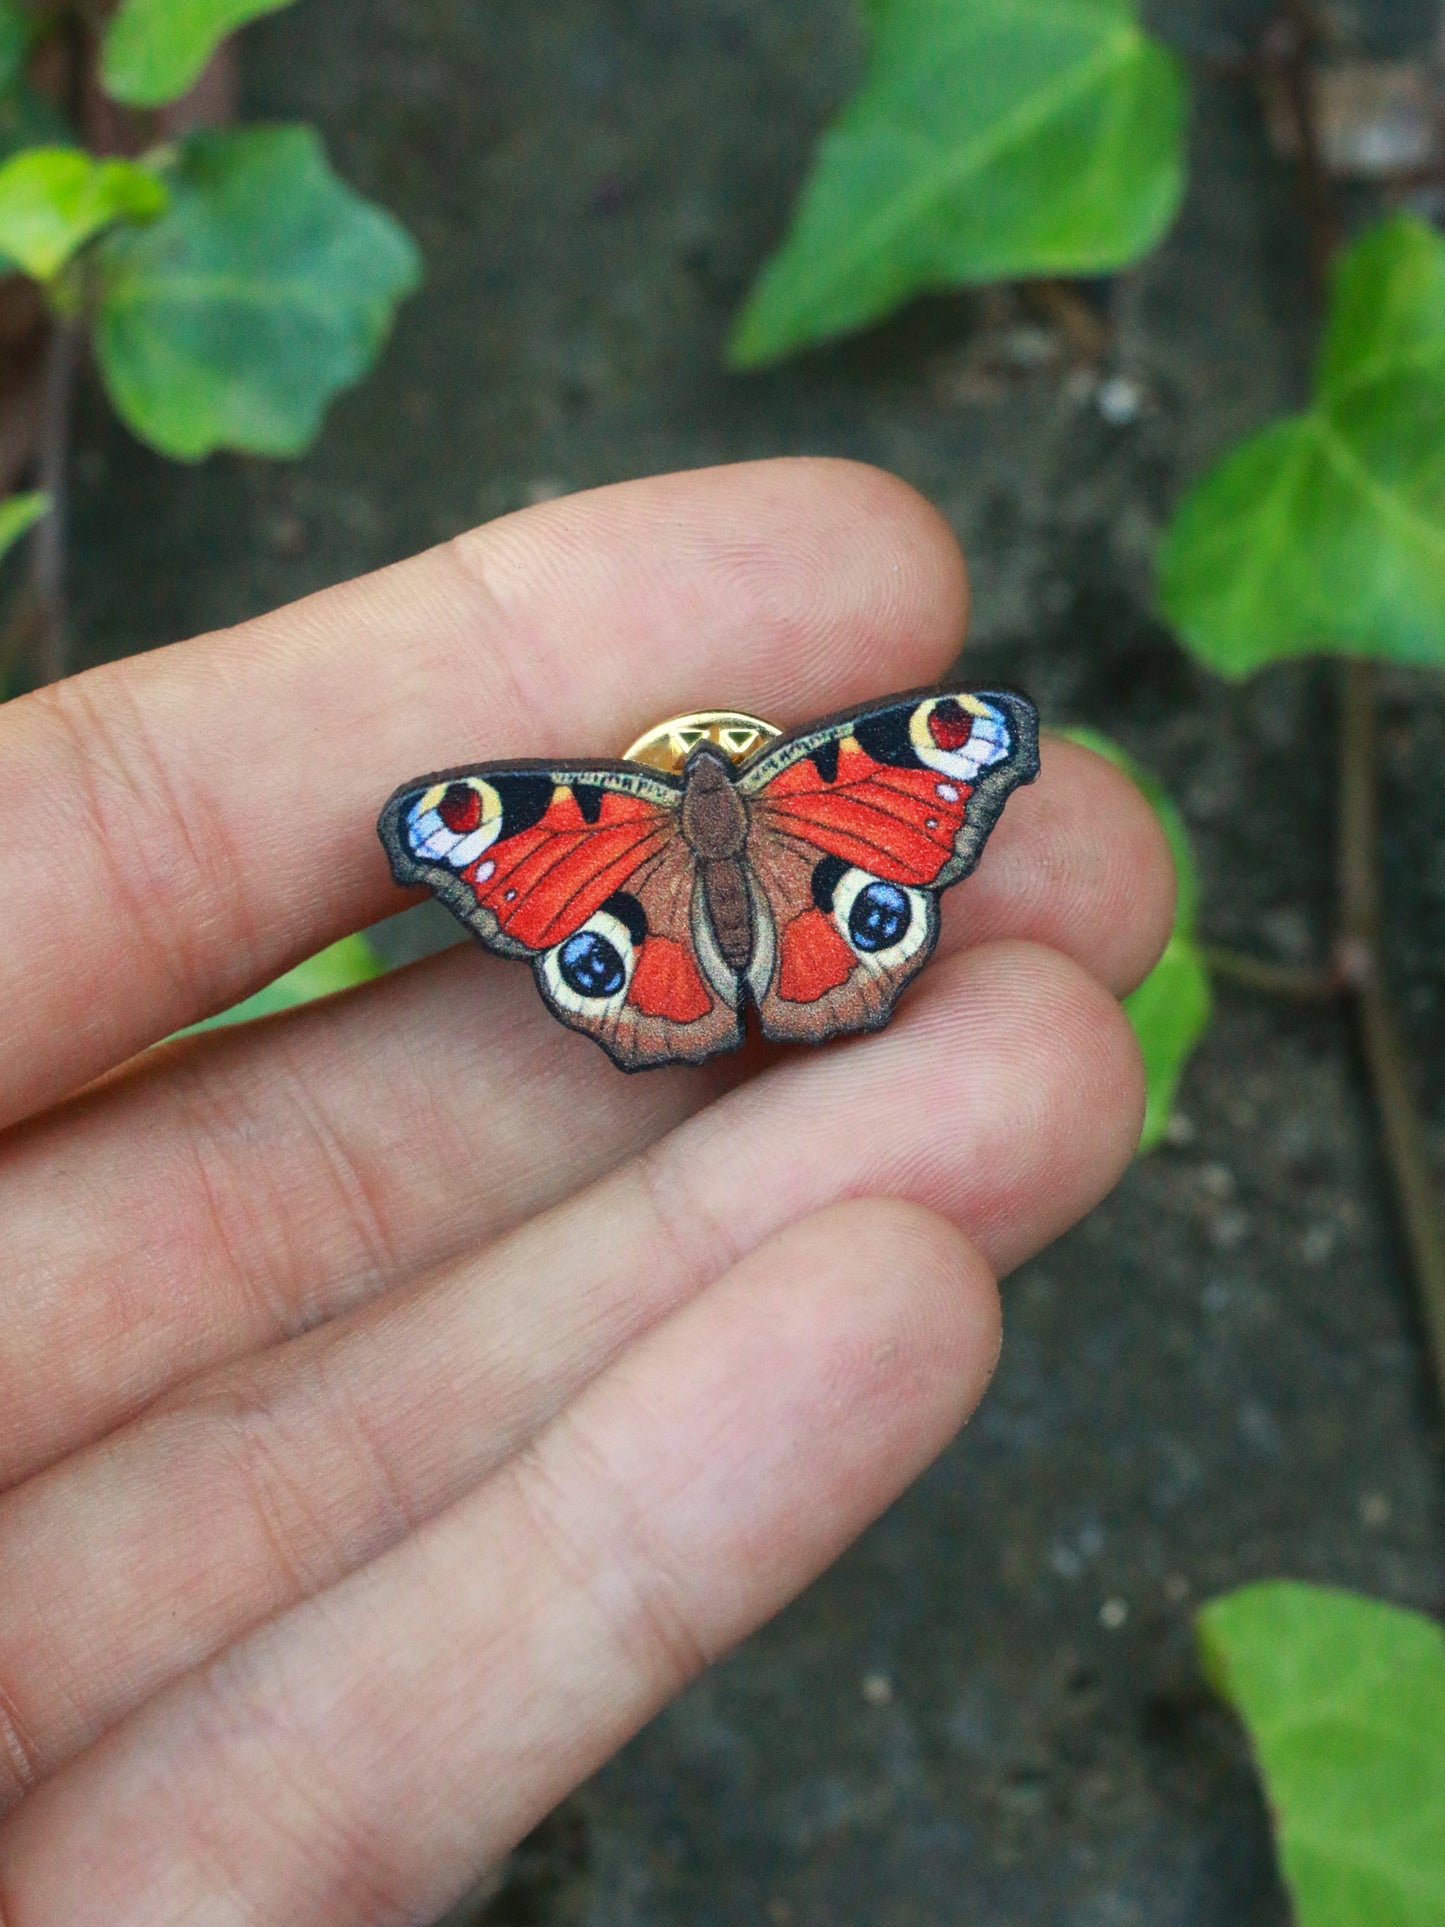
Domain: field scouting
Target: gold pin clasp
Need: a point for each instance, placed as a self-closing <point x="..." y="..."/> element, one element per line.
<point x="667" y="746"/>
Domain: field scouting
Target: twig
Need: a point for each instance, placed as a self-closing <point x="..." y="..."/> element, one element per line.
<point x="1286" y="52"/>
<point x="48" y="544"/>
<point x="1358" y="946"/>
<point x="1076" y="318"/>
<point x="1303" y="985"/>
<point x="1362" y="968"/>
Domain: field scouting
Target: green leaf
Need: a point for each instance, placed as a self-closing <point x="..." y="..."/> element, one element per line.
<point x="155" y="49"/>
<point x="18" y="515"/>
<point x="1326" y="532"/>
<point x="351" y="961"/>
<point x="54" y="199"/>
<point x="1170" y="1010"/>
<point x="267" y="287"/>
<point x="990" y="139"/>
<point x="1344" y="1700"/>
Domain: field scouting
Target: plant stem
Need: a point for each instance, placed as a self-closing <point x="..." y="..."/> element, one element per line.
<point x="1287" y="50"/>
<point x="49" y="542"/>
<point x="1358" y="948"/>
<point x="1304" y="985"/>
<point x="1362" y="968"/>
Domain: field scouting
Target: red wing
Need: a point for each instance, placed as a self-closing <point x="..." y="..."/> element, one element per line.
<point x="907" y="790"/>
<point x="898" y="823"/>
<point x="524" y="856"/>
<point x="582" y="870"/>
<point x="855" y="825"/>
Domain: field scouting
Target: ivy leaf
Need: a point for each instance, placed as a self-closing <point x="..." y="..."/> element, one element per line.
<point x="267" y="287"/>
<point x="54" y="199"/>
<point x="1170" y="1010"/>
<point x="351" y="961"/>
<point x="18" y="515"/>
<point x="1327" y="530"/>
<point x="155" y="49"/>
<point x="1344" y="1700"/>
<point x="990" y="138"/>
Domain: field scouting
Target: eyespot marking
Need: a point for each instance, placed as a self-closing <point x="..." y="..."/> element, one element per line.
<point x="591" y="966"/>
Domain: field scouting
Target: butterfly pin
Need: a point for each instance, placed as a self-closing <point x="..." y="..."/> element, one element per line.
<point x="720" y="864"/>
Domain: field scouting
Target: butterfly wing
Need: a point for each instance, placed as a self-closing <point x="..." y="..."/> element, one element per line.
<point x="580" y="869"/>
<point x="856" y="825"/>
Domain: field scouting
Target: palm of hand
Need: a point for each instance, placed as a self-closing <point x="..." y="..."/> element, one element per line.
<point x="397" y="1405"/>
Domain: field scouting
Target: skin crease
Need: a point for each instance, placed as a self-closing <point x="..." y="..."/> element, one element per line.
<point x="375" y="1438"/>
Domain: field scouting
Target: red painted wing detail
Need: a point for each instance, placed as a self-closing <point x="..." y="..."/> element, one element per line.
<point x="545" y="882"/>
<point x="898" y="824"/>
<point x="667" y="983"/>
<point x="812" y="958"/>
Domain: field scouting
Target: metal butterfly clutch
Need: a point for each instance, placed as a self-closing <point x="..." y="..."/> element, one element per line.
<point x="720" y="864"/>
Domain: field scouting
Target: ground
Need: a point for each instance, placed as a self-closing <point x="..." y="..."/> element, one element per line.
<point x="988" y="1712"/>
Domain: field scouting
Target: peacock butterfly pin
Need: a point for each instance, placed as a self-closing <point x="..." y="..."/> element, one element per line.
<point x="720" y="864"/>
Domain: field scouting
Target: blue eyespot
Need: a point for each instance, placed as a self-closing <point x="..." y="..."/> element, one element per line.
<point x="879" y="916"/>
<point x="591" y="966"/>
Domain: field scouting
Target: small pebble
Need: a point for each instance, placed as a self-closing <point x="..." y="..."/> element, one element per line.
<point x="1229" y="1229"/>
<point x="1318" y="1243"/>
<point x="1119" y="401"/>
<point x="287" y="534"/>
<point x="1031" y="347"/>
<point x="1375" y="1510"/>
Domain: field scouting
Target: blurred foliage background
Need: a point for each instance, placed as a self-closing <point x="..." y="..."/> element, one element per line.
<point x="1154" y="308"/>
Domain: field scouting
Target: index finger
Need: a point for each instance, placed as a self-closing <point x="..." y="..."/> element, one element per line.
<point x="177" y="829"/>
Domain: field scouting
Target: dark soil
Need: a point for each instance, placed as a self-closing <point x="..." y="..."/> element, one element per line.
<point x="988" y="1712"/>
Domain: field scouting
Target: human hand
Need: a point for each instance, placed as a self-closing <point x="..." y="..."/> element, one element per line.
<point x="398" y="1404"/>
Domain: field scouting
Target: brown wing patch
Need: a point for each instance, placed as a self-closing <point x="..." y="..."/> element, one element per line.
<point x="632" y="977"/>
<point x="817" y="979"/>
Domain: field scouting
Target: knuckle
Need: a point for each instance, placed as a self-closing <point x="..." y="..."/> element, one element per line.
<point x="638" y="1599"/>
<point x="20" y="1763"/>
<point x="255" y="1437"/>
<point x="282" y="1785"/>
<point x="153" y="846"/>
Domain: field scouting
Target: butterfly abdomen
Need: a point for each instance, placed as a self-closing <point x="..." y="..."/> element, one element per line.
<point x="715" y="825"/>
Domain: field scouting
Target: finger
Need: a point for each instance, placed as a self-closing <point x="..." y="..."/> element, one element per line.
<point x="1007" y="1097"/>
<point x="353" y="1761"/>
<point x="221" y="1198"/>
<point x="178" y="828"/>
<point x="233" y="1190"/>
<point x="1078" y="861"/>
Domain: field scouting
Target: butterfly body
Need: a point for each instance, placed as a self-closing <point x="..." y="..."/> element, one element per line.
<point x="654" y="908"/>
<point x="714" y="821"/>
